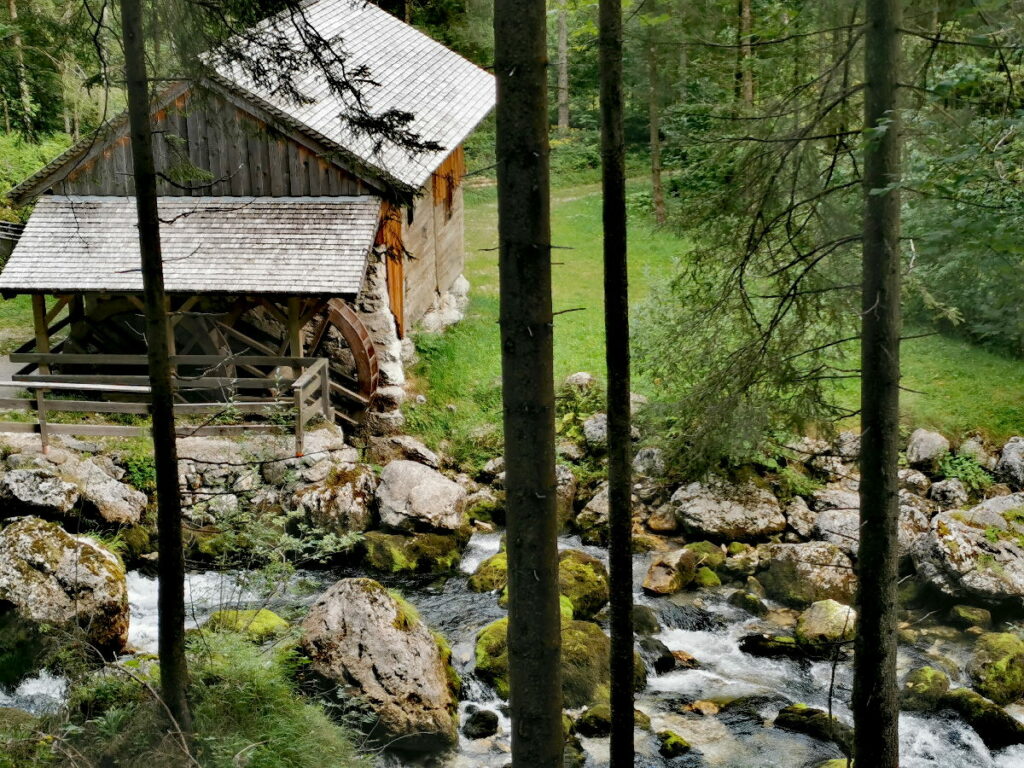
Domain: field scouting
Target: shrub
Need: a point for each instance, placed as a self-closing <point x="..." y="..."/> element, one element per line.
<point x="967" y="470"/>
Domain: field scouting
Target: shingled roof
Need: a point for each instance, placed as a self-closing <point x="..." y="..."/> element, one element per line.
<point x="446" y="94"/>
<point x="237" y="245"/>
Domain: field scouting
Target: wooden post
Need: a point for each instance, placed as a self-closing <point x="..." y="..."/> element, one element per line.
<point x="42" y="333"/>
<point x="171" y="348"/>
<point x="300" y="422"/>
<point x="325" y="391"/>
<point x="294" y="333"/>
<point x="44" y="433"/>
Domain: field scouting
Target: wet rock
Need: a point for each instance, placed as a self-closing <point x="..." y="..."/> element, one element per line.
<point x="769" y="646"/>
<point x="670" y="572"/>
<point x="723" y="511"/>
<point x="967" y="616"/>
<point x="923" y="689"/>
<point x="491" y="575"/>
<point x="565" y="495"/>
<point x="826" y="622"/>
<point x="671" y="744"/>
<point x="996" y="727"/>
<point x="592" y="521"/>
<point x="742" y="561"/>
<point x="1010" y="468"/>
<point x="52" y="577"/>
<point x="997" y="668"/>
<point x="663" y="519"/>
<point x="367" y="641"/>
<point x="748" y="602"/>
<point x="412" y="496"/>
<point x="925" y="448"/>
<point x="914" y="481"/>
<point x="481" y="724"/>
<point x="705" y="578"/>
<point x="596" y="722"/>
<point x="949" y="493"/>
<point x="384" y="450"/>
<point x="708" y="554"/>
<point x="800" y="517"/>
<point x="685" y="660"/>
<point x="343" y="501"/>
<point x="976" y="554"/>
<point x="657" y="655"/>
<point x="416" y="553"/>
<point x="816" y="723"/>
<point x="645" y="621"/>
<point x="800" y="574"/>
<point x="36" y="492"/>
<point x="584" y="580"/>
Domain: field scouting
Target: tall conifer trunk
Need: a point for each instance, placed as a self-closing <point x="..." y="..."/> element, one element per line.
<point x="21" y="72"/>
<point x="171" y="596"/>
<point x="875" y="694"/>
<point x="616" y="314"/>
<point x="563" y="67"/>
<point x="654" y="113"/>
<point x="524" y="256"/>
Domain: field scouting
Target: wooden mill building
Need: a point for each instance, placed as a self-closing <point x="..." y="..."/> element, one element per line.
<point x="284" y="230"/>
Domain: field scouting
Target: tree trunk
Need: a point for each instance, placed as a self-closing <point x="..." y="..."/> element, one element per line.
<point x="616" y="319"/>
<point x="875" y="693"/>
<point x="654" y="114"/>
<point x="19" y="64"/>
<point x="171" y="597"/>
<point x="563" y="68"/>
<point x="744" y="72"/>
<point x="524" y="232"/>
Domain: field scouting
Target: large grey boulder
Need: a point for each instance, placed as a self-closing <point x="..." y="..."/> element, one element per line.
<point x="52" y="577"/>
<point x="649" y="462"/>
<point x="383" y="450"/>
<point x="112" y="501"/>
<point x="826" y="621"/>
<point x="800" y="517"/>
<point x="801" y="574"/>
<point x="974" y="448"/>
<point x="343" y="501"/>
<point x="412" y="496"/>
<point x="595" y="431"/>
<point x="592" y="521"/>
<point x="949" y="493"/>
<point x="838" y="520"/>
<point x="36" y="492"/>
<point x="375" y="646"/>
<point x="925" y="448"/>
<point x="976" y="554"/>
<point x="1010" y="468"/>
<point x="721" y="510"/>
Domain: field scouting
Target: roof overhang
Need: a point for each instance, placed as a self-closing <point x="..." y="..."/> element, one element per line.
<point x="312" y="246"/>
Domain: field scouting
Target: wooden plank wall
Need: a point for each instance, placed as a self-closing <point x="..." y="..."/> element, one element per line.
<point x="244" y="157"/>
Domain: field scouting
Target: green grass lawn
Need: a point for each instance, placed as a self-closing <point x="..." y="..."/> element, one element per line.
<point x="963" y="388"/>
<point x="15" y="322"/>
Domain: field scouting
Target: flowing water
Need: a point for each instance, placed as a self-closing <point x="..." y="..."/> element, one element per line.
<point x="751" y="689"/>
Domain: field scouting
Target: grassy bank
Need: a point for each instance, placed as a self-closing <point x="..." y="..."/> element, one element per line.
<point x="957" y="387"/>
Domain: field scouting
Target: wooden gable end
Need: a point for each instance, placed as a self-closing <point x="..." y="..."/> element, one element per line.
<point x="207" y="144"/>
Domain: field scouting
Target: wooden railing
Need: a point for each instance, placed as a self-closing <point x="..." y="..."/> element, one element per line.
<point x="299" y="384"/>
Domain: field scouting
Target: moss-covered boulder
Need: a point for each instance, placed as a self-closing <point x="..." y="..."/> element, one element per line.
<point x="997" y="668"/>
<point x="816" y="723"/>
<point x="923" y="689"/>
<point x="585" y="654"/>
<point x="996" y="727"/>
<point x="670" y="572"/>
<point x="748" y="602"/>
<point x="967" y="616"/>
<point x="772" y="646"/>
<point x="708" y="554"/>
<point x="671" y="744"/>
<point x="491" y="575"/>
<point x="258" y="625"/>
<point x="419" y="553"/>
<point x="584" y="580"/>
<point x="705" y="577"/>
<point x="645" y="621"/>
<point x="596" y="721"/>
<point x="826" y="622"/>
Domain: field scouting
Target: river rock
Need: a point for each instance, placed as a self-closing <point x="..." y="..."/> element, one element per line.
<point x="50" y="576"/>
<point x="595" y="432"/>
<point x="364" y="639"/>
<point x="111" y="501"/>
<point x="976" y="553"/>
<point x="801" y="574"/>
<point x="36" y="492"/>
<point x="847" y="445"/>
<point x="1010" y="468"/>
<point x="342" y="502"/>
<point x="923" y="689"/>
<point x="412" y="496"/>
<point x="584" y="580"/>
<point x="816" y="723"/>
<point x="592" y="521"/>
<point x="663" y="519"/>
<point x="748" y="602"/>
<point x="838" y="520"/>
<point x="974" y="448"/>
<point x="800" y="517"/>
<point x="997" y="668"/>
<point x="925" y="448"/>
<point x="384" y="450"/>
<point x="996" y="727"/>
<point x="565" y="495"/>
<point x="949" y="493"/>
<point x="670" y="572"/>
<point x="825" y="622"/>
<point x="481" y="724"/>
<point x="967" y="616"/>
<point x="412" y="553"/>
<point x="721" y="510"/>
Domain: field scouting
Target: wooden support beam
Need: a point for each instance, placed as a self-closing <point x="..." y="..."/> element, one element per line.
<point x="39" y="321"/>
<point x="62" y="301"/>
<point x="295" y="332"/>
